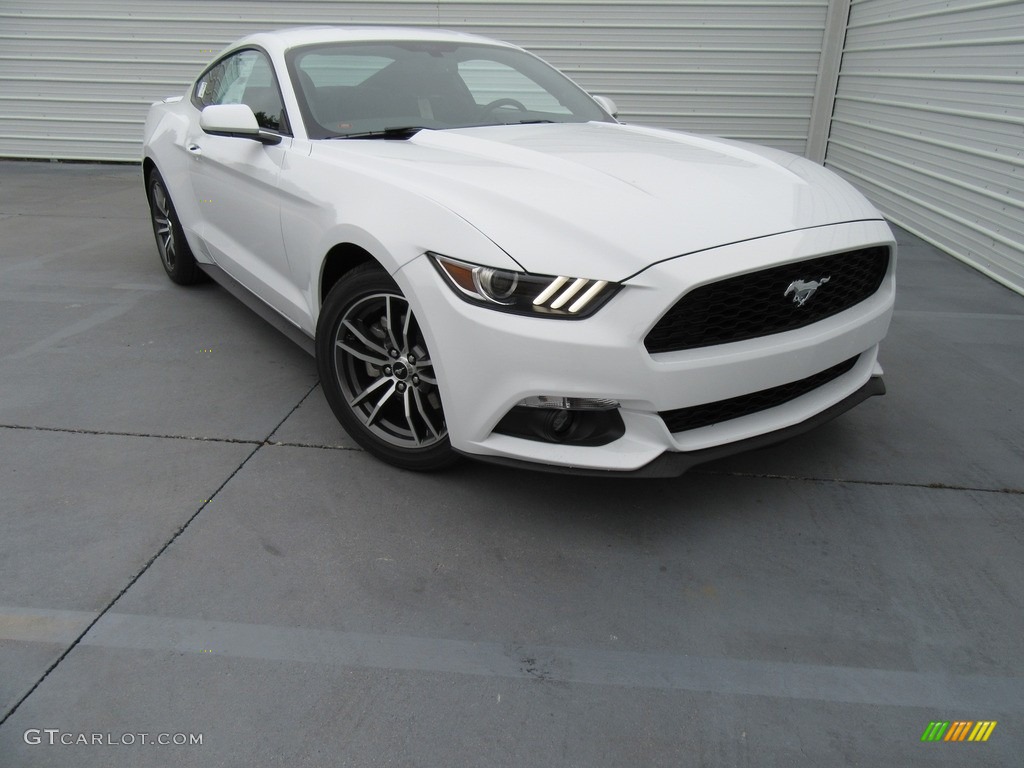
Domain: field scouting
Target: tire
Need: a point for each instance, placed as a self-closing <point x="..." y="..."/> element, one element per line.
<point x="377" y="374"/>
<point x="177" y="258"/>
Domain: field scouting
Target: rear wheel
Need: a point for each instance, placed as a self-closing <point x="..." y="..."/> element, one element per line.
<point x="175" y="255"/>
<point x="377" y="373"/>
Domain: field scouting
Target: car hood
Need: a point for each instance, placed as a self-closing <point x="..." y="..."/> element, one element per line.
<point x="606" y="200"/>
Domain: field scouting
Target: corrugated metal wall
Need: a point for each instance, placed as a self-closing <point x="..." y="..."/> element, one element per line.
<point x="928" y="116"/>
<point x="929" y="121"/>
<point x="76" y="78"/>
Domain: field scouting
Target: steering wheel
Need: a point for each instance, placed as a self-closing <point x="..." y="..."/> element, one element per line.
<point x="505" y="102"/>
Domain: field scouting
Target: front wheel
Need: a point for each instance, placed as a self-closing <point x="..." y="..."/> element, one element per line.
<point x="377" y="373"/>
<point x="179" y="263"/>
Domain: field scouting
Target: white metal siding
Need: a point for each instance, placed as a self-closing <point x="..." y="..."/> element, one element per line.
<point x="737" y="68"/>
<point x="929" y="122"/>
<point x="76" y="78"/>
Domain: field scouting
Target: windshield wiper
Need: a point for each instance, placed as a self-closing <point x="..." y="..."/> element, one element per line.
<point x="398" y="133"/>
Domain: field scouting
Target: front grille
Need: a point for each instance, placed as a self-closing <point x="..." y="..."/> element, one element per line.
<point x="696" y="416"/>
<point x="756" y="304"/>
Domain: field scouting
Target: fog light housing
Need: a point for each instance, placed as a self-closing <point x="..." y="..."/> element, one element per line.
<point x="568" y="403"/>
<point x="585" y="421"/>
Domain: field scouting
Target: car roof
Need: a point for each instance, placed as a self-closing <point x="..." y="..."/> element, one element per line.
<point x="283" y="39"/>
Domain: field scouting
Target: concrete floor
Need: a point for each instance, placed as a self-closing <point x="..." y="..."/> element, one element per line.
<point x="190" y="544"/>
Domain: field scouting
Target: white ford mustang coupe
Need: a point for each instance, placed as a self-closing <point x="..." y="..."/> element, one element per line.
<point x="486" y="262"/>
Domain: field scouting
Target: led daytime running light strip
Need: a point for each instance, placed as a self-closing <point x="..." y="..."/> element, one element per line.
<point x="556" y="285"/>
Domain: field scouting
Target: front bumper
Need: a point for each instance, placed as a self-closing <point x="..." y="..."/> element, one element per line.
<point x="672" y="464"/>
<point x="488" y="361"/>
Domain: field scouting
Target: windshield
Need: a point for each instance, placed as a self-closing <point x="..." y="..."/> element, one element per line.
<point x="354" y="88"/>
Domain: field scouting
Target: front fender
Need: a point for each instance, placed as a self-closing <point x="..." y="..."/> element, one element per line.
<point x="322" y="200"/>
<point x="164" y="144"/>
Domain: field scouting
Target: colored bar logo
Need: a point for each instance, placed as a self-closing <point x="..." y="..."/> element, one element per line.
<point x="958" y="730"/>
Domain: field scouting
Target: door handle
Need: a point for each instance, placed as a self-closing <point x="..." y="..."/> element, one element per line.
<point x="194" y="149"/>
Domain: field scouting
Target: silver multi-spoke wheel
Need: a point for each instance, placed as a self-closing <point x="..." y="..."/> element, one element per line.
<point x="386" y="373"/>
<point x="163" y="226"/>
<point x="378" y="375"/>
<point x="175" y="255"/>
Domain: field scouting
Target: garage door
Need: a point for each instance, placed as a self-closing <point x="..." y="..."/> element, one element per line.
<point x="76" y="78"/>
<point x="929" y="121"/>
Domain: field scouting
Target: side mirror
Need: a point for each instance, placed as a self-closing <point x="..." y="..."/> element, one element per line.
<point x="236" y="120"/>
<point x="607" y="105"/>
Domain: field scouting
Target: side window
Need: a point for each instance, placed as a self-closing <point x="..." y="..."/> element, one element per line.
<point x="247" y="78"/>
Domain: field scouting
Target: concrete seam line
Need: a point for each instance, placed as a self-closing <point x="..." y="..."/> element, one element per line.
<point x="116" y="433"/>
<point x="232" y="440"/>
<point x="842" y="480"/>
<point x="148" y="563"/>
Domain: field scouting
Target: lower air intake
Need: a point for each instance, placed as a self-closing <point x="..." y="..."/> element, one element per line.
<point x="697" y="416"/>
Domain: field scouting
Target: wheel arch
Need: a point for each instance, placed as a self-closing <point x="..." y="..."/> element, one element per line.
<point x="376" y="391"/>
<point x="339" y="261"/>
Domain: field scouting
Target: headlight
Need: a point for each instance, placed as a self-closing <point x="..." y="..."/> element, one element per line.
<point x="556" y="296"/>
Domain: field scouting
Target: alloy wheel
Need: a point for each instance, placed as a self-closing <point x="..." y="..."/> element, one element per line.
<point x="385" y="372"/>
<point x="163" y="226"/>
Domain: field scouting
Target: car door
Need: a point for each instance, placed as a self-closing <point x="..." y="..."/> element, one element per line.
<point x="236" y="181"/>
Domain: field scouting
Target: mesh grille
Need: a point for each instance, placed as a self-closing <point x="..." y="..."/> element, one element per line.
<point x="757" y="304"/>
<point x="705" y="415"/>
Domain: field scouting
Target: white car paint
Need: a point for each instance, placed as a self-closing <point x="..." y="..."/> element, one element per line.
<point x="657" y="211"/>
<point x="613" y="197"/>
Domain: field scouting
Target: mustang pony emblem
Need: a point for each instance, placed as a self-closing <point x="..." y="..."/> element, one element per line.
<point x="803" y="291"/>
